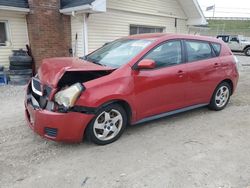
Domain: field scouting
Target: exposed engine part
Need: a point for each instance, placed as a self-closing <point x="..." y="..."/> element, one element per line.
<point x="72" y="77"/>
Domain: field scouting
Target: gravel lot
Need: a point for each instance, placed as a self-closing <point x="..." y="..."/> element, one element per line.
<point x="199" y="148"/>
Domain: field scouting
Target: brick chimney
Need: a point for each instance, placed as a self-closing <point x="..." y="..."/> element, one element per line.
<point x="49" y="31"/>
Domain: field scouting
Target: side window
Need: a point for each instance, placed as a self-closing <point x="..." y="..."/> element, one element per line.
<point x="197" y="50"/>
<point x="167" y="54"/>
<point x="234" y="39"/>
<point x="217" y="48"/>
<point x="224" y="38"/>
<point x="3" y="33"/>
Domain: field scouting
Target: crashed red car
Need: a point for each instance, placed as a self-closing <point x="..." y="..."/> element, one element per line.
<point x="129" y="81"/>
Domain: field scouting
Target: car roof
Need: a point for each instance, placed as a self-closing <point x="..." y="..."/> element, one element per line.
<point x="169" y="36"/>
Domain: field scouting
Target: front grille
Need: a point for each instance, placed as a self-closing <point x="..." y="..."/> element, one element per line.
<point x="51" y="132"/>
<point x="40" y="92"/>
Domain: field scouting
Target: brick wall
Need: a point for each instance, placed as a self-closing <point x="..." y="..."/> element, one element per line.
<point x="49" y="31"/>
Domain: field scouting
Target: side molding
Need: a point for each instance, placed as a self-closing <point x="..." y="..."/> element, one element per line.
<point x="169" y="113"/>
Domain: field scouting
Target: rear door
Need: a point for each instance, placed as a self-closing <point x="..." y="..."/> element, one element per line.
<point x="204" y="70"/>
<point x="161" y="89"/>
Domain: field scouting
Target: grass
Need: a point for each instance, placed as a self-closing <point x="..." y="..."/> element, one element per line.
<point x="241" y="27"/>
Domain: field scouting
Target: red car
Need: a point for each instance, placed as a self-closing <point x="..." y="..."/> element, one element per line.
<point x="129" y="81"/>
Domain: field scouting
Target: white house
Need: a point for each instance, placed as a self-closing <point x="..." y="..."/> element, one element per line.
<point x="13" y="28"/>
<point x="93" y="22"/>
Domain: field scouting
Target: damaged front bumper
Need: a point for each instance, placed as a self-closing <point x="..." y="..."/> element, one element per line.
<point x="57" y="126"/>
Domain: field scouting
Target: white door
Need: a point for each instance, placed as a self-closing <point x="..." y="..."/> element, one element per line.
<point x="234" y="43"/>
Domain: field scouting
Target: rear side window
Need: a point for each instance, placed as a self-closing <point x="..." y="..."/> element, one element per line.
<point x="197" y="50"/>
<point x="217" y="48"/>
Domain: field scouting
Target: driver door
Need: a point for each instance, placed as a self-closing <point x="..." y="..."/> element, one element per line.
<point x="161" y="89"/>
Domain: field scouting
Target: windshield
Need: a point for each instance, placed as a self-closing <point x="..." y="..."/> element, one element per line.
<point x="118" y="53"/>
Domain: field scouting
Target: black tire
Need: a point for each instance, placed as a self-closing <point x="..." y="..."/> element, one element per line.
<point x="12" y="67"/>
<point x="217" y="94"/>
<point x="21" y="72"/>
<point x="19" y="52"/>
<point x="19" y="79"/>
<point x="91" y="130"/>
<point x="20" y="60"/>
<point x="247" y="51"/>
<point x="19" y="82"/>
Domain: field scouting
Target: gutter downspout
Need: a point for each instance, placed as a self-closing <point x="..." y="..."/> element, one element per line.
<point x="85" y="33"/>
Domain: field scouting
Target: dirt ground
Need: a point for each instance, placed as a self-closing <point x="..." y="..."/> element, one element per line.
<point x="199" y="148"/>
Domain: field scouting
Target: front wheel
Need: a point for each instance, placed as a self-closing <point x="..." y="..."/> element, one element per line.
<point x="221" y="97"/>
<point x="108" y="125"/>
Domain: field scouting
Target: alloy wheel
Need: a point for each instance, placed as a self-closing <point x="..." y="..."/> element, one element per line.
<point x="108" y="125"/>
<point x="222" y="96"/>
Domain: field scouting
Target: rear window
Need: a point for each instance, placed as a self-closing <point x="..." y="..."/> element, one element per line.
<point x="224" y="38"/>
<point x="197" y="50"/>
<point x="217" y="48"/>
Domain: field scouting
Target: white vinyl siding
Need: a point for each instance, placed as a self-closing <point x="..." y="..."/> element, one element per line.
<point x="153" y="7"/>
<point x="121" y="14"/>
<point x="77" y="29"/>
<point x="114" y="24"/>
<point x="17" y="34"/>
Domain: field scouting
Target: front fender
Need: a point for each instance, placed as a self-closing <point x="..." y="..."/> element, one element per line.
<point x="118" y="86"/>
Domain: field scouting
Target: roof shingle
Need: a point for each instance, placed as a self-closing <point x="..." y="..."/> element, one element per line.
<point x="74" y="3"/>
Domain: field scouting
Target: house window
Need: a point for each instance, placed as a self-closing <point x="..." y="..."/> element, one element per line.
<point x="145" y="29"/>
<point x="3" y="33"/>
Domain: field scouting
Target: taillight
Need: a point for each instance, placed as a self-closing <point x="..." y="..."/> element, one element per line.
<point x="236" y="61"/>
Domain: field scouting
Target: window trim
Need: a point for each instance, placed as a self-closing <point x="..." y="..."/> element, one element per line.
<point x="201" y="41"/>
<point x="135" y="67"/>
<point x="7" y="30"/>
<point x="211" y="43"/>
<point x="146" y="26"/>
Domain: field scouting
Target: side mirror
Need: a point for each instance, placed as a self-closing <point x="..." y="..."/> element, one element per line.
<point x="146" y="64"/>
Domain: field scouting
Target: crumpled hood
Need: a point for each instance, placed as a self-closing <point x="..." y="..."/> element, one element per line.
<point x="51" y="70"/>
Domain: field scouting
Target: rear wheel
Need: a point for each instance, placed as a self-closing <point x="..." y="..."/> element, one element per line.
<point x="108" y="125"/>
<point x="221" y="97"/>
<point x="247" y="51"/>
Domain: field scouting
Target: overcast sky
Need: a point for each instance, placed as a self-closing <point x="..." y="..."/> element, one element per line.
<point x="226" y="8"/>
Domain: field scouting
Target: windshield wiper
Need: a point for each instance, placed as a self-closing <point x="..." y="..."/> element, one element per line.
<point x="98" y="63"/>
<point x="95" y="62"/>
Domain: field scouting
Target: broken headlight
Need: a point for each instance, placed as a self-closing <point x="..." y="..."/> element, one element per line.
<point x="67" y="97"/>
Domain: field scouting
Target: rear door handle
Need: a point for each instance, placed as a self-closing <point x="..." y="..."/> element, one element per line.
<point x="216" y="65"/>
<point x="180" y="73"/>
